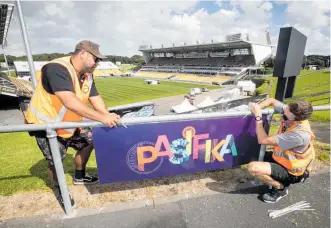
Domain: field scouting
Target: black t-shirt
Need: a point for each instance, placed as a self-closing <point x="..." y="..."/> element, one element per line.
<point x="57" y="78"/>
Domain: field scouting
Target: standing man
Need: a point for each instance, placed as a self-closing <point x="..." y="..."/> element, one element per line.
<point x="62" y="94"/>
<point x="291" y="160"/>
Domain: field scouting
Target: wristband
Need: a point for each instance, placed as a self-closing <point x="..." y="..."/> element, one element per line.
<point x="258" y="118"/>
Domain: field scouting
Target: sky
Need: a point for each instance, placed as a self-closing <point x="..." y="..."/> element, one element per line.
<point x="120" y="27"/>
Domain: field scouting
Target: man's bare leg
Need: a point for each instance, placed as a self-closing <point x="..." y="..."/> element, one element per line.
<point x="262" y="171"/>
<point x="52" y="175"/>
<point x="83" y="156"/>
<point x="267" y="179"/>
<point x="81" y="159"/>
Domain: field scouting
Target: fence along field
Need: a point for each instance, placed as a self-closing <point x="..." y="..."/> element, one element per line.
<point x="22" y="166"/>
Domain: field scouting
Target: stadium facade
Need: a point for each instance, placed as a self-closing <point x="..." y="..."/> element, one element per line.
<point x="211" y="63"/>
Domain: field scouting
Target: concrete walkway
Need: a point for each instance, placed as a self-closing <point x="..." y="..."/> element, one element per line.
<point x="240" y="208"/>
<point x="321" y="131"/>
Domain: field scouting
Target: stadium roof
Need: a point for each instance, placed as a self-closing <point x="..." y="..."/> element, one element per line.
<point x="6" y="12"/>
<point x="210" y="46"/>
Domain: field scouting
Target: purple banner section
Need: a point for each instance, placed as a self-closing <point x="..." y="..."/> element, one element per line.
<point x="146" y="151"/>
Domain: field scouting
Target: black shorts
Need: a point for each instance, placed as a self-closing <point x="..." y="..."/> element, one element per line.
<point x="280" y="173"/>
<point x="80" y="139"/>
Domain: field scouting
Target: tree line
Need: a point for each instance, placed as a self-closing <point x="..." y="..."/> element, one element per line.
<point x="136" y="59"/>
<point x="320" y="60"/>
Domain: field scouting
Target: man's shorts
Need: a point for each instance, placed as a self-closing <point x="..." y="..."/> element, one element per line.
<point x="80" y="139"/>
<point x="280" y="173"/>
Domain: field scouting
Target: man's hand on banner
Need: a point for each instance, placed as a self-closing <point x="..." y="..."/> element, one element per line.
<point x="255" y="109"/>
<point x="111" y="119"/>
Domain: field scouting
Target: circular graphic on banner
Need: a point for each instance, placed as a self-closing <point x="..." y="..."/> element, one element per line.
<point x="132" y="160"/>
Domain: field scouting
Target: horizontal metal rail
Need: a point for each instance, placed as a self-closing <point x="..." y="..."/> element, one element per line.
<point x="137" y="120"/>
<point x="52" y="136"/>
<point x="126" y="121"/>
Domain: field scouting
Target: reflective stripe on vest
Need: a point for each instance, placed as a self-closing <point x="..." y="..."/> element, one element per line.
<point x="61" y="113"/>
<point x="296" y="170"/>
<point x="63" y="110"/>
<point x="296" y="163"/>
<point x="284" y="155"/>
<point x="46" y="119"/>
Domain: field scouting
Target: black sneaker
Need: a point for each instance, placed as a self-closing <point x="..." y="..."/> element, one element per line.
<point x="274" y="195"/>
<point x="86" y="180"/>
<point x="60" y="199"/>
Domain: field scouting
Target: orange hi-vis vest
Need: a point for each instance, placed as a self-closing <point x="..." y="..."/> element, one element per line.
<point x="296" y="163"/>
<point x="47" y="108"/>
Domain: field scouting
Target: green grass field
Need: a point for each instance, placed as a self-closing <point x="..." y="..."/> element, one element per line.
<point x="117" y="91"/>
<point x="314" y="87"/>
<point x="22" y="166"/>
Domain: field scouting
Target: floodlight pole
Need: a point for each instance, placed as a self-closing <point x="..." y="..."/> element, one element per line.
<point x="27" y="45"/>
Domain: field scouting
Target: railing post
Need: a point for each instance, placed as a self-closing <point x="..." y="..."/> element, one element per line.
<point x="54" y="146"/>
<point x="267" y="129"/>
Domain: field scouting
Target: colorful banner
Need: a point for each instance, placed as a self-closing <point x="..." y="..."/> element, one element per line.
<point x="145" y="151"/>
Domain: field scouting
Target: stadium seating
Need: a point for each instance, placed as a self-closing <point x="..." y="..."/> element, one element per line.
<point x="24" y="86"/>
<point x="97" y="73"/>
<point x="186" y="77"/>
<point x="151" y="74"/>
<point x="213" y="66"/>
<point x="200" y="78"/>
<point x="106" y="73"/>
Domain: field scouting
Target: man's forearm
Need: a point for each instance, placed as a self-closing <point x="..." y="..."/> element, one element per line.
<point x="99" y="104"/>
<point x="260" y="132"/>
<point x="270" y="101"/>
<point x="262" y="136"/>
<point x="102" y="109"/>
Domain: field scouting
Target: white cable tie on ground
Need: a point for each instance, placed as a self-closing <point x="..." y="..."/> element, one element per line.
<point x="301" y="202"/>
<point x="294" y="206"/>
<point x="301" y="206"/>
<point x="291" y="211"/>
<point x="279" y="213"/>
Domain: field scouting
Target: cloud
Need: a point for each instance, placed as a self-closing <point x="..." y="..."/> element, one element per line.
<point x="121" y="26"/>
<point x="266" y="6"/>
<point x="315" y="19"/>
<point x="315" y="24"/>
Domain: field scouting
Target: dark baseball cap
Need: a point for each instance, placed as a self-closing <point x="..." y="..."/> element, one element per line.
<point x="90" y="47"/>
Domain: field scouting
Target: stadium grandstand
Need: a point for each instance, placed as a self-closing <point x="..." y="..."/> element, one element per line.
<point x="214" y="63"/>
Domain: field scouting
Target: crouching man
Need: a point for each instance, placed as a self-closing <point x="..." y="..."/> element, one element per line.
<point x="291" y="160"/>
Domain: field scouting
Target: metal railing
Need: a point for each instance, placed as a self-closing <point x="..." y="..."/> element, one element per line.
<point x="51" y="135"/>
<point x="50" y="127"/>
